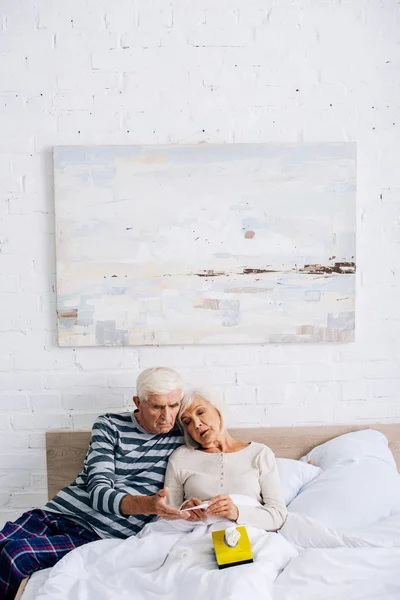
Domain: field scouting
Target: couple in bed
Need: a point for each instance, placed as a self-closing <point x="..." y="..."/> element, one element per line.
<point x="121" y="487"/>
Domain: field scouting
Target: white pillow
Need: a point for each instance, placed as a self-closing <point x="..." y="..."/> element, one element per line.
<point x="359" y="484"/>
<point x="350" y="447"/>
<point x="351" y="495"/>
<point x="294" y="475"/>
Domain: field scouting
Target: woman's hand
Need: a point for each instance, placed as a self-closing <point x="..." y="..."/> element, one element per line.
<point x="194" y="515"/>
<point x="223" y="506"/>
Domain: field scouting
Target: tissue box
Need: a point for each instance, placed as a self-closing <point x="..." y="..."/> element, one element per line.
<point x="229" y="557"/>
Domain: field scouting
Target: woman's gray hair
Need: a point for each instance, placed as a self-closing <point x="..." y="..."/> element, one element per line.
<point x="188" y="399"/>
<point x="157" y="380"/>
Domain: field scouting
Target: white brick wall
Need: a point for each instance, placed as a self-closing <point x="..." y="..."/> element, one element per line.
<point x="134" y="71"/>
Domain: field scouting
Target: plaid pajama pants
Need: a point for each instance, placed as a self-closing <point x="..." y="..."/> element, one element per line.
<point x="37" y="540"/>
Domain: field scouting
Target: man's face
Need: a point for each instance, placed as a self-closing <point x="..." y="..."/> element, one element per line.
<point x="158" y="413"/>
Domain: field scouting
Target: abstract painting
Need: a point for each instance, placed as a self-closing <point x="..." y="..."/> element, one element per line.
<point x="205" y="244"/>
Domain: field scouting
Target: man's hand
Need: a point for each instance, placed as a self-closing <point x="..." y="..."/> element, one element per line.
<point x="161" y="508"/>
<point x="194" y="515"/>
<point x="151" y="505"/>
<point x="223" y="506"/>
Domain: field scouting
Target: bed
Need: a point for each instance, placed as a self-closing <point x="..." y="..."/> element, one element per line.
<point x="65" y="455"/>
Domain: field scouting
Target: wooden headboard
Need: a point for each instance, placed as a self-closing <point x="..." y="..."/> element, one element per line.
<point x="66" y="450"/>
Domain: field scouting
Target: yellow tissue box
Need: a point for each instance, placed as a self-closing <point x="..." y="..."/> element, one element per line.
<point x="229" y="557"/>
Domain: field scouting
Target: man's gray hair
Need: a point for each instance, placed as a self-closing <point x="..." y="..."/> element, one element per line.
<point x="157" y="380"/>
<point x="188" y="399"/>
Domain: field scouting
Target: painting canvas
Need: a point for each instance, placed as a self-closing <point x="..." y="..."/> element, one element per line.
<point x="205" y="244"/>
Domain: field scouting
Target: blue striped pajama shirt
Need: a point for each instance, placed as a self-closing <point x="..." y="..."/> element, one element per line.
<point x="123" y="458"/>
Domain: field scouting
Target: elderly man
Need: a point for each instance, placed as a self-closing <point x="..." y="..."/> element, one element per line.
<point x="119" y="490"/>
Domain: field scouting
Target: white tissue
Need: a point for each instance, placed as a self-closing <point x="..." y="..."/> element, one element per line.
<point x="180" y="553"/>
<point x="232" y="536"/>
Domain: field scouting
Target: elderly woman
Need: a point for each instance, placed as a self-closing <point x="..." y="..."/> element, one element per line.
<point x="213" y="465"/>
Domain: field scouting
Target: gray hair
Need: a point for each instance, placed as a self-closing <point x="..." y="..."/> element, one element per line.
<point x="157" y="380"/>
<point x="188" y="399"/>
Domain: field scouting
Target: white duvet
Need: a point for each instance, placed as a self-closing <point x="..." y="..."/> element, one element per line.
<point x="175" y="561"/>
<point x="357" y="564"/>
<point x="170" y="561"/>
<point x="341" y="574"/>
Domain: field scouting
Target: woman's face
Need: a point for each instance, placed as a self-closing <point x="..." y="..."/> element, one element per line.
<point x="202" y="422"/>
